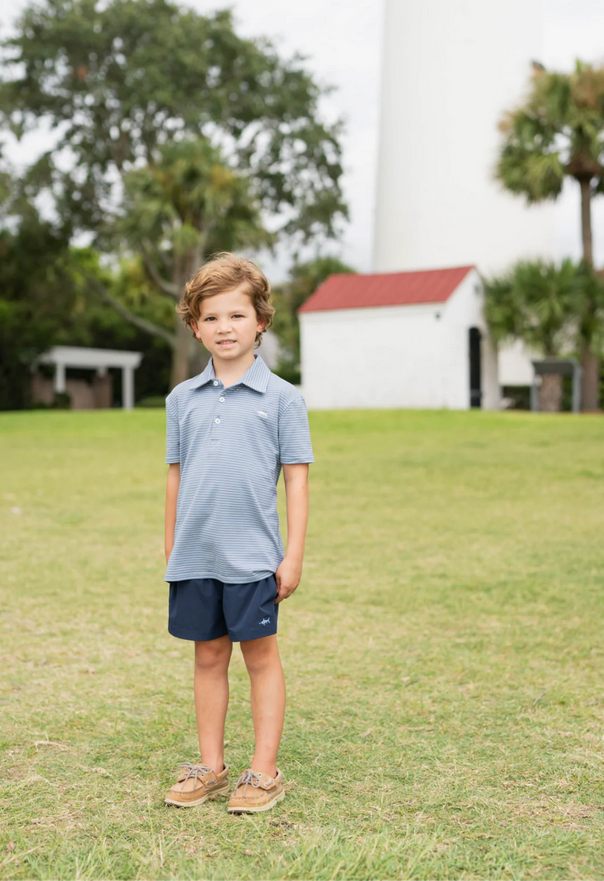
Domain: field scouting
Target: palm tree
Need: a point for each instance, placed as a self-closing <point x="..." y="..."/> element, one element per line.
<point x="536" y="302"/>
<point x="558" y="133"/>
<point x="177" y="212"/>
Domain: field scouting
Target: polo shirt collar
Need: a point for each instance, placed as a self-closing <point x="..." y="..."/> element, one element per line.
<point x="204" y="377"/>
<point x="255" y="377"/>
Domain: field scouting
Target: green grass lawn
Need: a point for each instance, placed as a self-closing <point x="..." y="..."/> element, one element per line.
<point x="444" y="657"/>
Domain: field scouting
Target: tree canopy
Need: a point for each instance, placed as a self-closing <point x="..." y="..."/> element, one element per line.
<point x="116" y="80"/>
<point x="534" y="302"/>
<point x="172" y="137"/>
<point x="557" y="132"/>
<point x="178" y="210"/>
<point x="546" y="306"/>
<point x="34" y="294"/>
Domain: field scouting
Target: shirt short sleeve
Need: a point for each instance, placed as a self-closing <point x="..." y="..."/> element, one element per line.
<point x="294" y="435"/>
<point x="172" y="431"/>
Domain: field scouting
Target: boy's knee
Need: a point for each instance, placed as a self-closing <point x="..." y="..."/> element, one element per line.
<point x="215" y="653"/>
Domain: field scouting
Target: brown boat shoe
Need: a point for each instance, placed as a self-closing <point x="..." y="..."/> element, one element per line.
<point x="196" y="784"/>
<point x="256" y="792"/>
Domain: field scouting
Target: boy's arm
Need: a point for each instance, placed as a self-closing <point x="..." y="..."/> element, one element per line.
<point x="296" y="492"/>
<point x="171" y="499"/>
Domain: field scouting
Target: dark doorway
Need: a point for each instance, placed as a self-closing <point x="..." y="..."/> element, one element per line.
<point x="475" y="368"/>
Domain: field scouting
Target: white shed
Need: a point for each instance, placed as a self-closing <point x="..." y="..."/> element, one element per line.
<point x="402" y="339"/>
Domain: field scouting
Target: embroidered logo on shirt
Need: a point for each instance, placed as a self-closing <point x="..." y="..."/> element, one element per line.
<point x="262" y="413"/>
<point x="265" y="621"/>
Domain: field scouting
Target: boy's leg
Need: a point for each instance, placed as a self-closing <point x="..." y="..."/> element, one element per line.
<point x="211" y="687"/>
<point x="263" y="664"/>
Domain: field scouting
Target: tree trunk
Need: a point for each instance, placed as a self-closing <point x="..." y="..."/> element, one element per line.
<point x="189" y="356"/>
<point x="586" y="234"/>
<point x="550" y="393"/>
<point x="181" y="353"/>
<point x="590" y="381"/>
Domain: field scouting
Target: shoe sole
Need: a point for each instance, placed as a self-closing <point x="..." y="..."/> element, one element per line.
<point x="260" y="808"/>
<point x="224" y="791"/>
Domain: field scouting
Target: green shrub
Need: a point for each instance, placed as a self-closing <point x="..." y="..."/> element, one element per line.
<point x="61" y="401"/>
<point x="152" y="401"/>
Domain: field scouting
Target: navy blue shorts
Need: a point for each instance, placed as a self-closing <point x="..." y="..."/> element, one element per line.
<point x="205" y="608"/>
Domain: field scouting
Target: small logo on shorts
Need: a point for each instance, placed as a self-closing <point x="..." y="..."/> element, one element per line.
<point x="265" y="621"/>
<point x="262" y="413"/>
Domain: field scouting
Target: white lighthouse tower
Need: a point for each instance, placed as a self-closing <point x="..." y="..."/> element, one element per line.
<point x="450" y="70"/>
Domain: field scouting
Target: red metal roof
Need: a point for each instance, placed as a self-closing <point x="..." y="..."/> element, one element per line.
<point x="386" y="289"/>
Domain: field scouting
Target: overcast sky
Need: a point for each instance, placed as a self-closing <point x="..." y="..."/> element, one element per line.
<point x="341" y="40"/>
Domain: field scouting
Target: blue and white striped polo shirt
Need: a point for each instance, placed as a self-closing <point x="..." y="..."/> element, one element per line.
<point x="231" y="443"/>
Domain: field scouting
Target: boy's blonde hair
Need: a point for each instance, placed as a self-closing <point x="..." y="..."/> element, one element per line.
<point x="221" y="273"/>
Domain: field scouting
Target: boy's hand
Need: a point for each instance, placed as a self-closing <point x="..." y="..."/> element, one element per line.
<point x="287" y="577"/>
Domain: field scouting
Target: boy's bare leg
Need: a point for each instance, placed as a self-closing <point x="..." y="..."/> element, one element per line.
<point x="211" y="687"/>
<point x="263" y="664"/>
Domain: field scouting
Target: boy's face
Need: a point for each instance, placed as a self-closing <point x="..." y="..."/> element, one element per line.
<point x="228" y="324"/>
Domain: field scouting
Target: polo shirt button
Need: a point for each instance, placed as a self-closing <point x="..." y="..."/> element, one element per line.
<point x="217" y="421"/>
<point x="215" y="382"/>
<point x="221" y="400"/>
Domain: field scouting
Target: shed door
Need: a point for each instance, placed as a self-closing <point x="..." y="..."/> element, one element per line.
<point x="475" y="368"/>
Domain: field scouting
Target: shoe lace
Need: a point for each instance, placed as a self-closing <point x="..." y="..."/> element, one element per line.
<point x="194" y="771"/>
<point x="248" y="777"/>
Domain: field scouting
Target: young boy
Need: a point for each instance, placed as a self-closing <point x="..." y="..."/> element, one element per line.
<point x="230" y="430"/>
